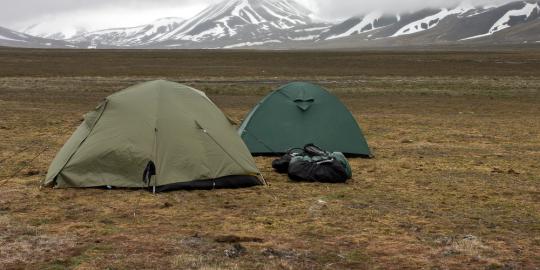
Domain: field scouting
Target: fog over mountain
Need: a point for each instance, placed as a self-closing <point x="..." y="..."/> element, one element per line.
<point x="343" y="8"/>
<point x="75" y="15"/>
<point x="277" y="24"/>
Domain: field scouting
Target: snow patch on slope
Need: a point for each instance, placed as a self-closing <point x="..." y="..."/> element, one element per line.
<point x="311" y="37"/>
<point x="11" y="39"/>
<point x="366" y="21"/>
<point x="245" y="9"/>
<point x="216" y="32"/>
<point x="504" y="21"/>
<point x="250" y="44"/>
<point x="312" y="29"/>
<point x="157" y="25"/>
<point x="138" y="35"/>
<point x="228" y="18"/>
<point x="62" y="32"/>
<point x="431" y="21"/>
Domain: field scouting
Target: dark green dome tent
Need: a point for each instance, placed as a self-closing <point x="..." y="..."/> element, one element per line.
<point x="298" y="114"/>
<point x="158" y="134"/>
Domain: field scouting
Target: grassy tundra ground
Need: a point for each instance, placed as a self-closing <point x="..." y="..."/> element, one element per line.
<point x="455" y="183"/>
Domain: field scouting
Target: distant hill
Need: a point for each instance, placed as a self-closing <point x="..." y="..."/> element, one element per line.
<point x="461" y="24"/>
<point x="10" y="38"/>
<point x="285" y="24"/>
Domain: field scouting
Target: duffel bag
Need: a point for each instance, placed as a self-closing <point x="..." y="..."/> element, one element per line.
<point x="281" y="165"/>
<point x="317" y="169"/>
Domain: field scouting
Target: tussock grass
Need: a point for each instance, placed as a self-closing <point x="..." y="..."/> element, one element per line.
<point x="454" y="185"/>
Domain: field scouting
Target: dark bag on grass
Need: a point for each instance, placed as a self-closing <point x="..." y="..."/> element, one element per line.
<point x="313" y="164"/>
<point x="317" y="170"/>
<point x="281" y="165"/>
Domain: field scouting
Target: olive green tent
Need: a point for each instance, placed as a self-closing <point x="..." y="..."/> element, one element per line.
<point x="158" y="134"/>
<point x="298" y="114"/>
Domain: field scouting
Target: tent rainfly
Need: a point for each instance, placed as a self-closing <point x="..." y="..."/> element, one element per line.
<point x="159" y="135"/>
<point x="298" y="114"/>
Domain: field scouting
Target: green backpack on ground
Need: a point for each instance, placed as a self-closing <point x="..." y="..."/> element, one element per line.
<point x="313" y="164"/>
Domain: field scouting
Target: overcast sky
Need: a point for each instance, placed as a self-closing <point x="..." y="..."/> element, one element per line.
<point x="99" y="14"/>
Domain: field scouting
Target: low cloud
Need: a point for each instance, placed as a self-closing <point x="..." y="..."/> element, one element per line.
<point x="346" y="8"/>
<point x="99" y="14"/>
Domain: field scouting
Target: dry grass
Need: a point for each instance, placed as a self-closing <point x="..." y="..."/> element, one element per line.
<point x="455" y="185"/>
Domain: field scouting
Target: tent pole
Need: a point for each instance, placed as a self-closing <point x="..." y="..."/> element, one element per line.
<point x="155" y="158"/>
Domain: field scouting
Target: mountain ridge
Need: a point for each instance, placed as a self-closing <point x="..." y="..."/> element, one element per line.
<point x="286" y="24"/>
<point x="11" y="38"/>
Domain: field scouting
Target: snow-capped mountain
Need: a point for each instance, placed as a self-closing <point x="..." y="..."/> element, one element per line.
<point x="360" y="24"/>
<point x="432" y="20"/>
<point x="514" y="14"/>
<point x="10" y="38"/>
<point x="228" y="24"/>
<point x="459" y="24"/>
<point x="285" y="24"/>
<point x="131" y="36"/>
<point x="42" y="30"/>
